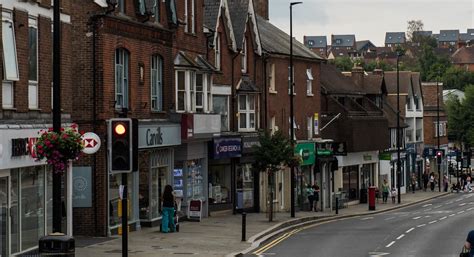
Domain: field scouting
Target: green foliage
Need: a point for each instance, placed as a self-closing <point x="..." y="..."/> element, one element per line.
<point x="461" y="117"/>
<point x="273" y="152"/>
<point x="343" y="63"/>
<point x="457" y="78"/>
<point x="372" y="65"/>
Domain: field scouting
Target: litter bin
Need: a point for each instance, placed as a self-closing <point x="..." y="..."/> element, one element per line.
<point x="372" y="198"/>
<point x="57" y="244"/>
<point x="363" y="195"/>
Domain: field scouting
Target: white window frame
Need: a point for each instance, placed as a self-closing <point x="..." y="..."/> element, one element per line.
<point x="156" y="83"/>
<point x="309" y="82"/>
<point x="11" y="73"/>
<point x="33" y="83"/>
<point x="309" y="126"/>
<point x="199" y="95"/>
<point x="122" y="65"/>
<point x="271" y="79"/>
<point x="244" y="55"/>
<point x="295" y="127"/>
<point x="193" y="17"/>
<point x="120" y="5"/>
<point x="248" y="111"/>
<point x="178" y="91"/>
<point x="217" y="52"/>
<point x="186" y="27"/>
<point x="190" y="94"/>
<point x="441" y="127"/>
<point x="8" y="100"/>
<point x="273" y="126"/>
<point x="226" y="113"/>
<point x="208" y="93"/>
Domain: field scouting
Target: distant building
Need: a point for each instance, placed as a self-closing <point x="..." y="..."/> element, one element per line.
<point x="347" y="42"/>
<point x="317" y="44"/>
<point x="453" y="93"/>
<point x="448" y="38"/>
<point x="464" y="58"/>
<point x="394" y="39"/>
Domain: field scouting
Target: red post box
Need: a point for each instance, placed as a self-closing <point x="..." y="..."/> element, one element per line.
<point x="372" y="198"/>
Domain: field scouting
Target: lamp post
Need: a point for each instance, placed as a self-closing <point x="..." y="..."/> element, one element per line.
<point x="399" y="54"/>
<point x="292" y="133"/>
<point x="437" y="132"/>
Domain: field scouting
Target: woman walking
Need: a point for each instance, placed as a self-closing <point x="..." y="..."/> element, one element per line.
<point x="167" y="219"/>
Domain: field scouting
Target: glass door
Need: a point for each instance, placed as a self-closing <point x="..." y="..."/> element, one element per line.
<point x="4" y="216"/>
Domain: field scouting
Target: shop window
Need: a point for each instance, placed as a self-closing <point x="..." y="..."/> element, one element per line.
<point x="10" y="60"/>
<point x="156" y="83"/>
<point x="247" y="114"/>
<point x="33" y="63"/>
<point x="115" y="202"/>
<point x="15" y="211"/>
<point x="32" y="206"/>
<point x="121" y="78"/>
<point x="7" y="94"/>
<point x="245" y="186"/>
<point x="221" y="106"/>
<point x="220" y="184"/>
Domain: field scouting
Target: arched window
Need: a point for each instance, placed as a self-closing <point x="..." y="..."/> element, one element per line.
<point x="121" y="78"/>
<point x="156" y="83"/>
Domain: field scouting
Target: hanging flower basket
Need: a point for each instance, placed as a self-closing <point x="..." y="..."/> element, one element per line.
<point x="295" y="161"/>
<point x="59" y="148"/>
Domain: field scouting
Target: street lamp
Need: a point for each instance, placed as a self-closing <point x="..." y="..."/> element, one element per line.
<point x="438" y="159"/>
<point x="292" y="133"/>
<point x="399" y="54"/>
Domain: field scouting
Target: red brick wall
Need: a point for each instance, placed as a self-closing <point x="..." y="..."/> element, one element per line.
<point x="430" y="114"/>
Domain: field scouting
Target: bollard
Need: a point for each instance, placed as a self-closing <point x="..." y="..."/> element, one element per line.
<point x="244" y="221"/>
<point x="337" y="205"/>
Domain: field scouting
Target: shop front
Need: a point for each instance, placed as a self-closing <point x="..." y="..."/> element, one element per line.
<point x="325" y="166"/>
<point x="305" y="175"/>
<point x="26" y="193"/>
<point x="248" y="178"/>
<point x="223" y="155"/>
<point x="156" y="166"/>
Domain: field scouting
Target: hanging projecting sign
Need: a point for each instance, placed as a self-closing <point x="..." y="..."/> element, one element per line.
<point x="91" y="143"/>
<point x="316" y="123"/>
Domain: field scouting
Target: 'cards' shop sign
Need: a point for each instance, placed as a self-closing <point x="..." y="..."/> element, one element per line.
<point x="24" y="147"/>
<point x="226" y="147"/>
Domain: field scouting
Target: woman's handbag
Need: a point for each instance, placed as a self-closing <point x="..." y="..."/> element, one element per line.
<point x="464" y="252"/>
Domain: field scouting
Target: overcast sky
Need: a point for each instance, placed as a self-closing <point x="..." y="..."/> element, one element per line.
<point x="370" y="19"/>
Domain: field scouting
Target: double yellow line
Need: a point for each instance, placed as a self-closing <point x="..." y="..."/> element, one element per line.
<point x="277" y="241"/>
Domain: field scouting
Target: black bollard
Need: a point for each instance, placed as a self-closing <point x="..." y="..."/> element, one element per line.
<point x="244" y="224"/>
<point x="337" y="205"/>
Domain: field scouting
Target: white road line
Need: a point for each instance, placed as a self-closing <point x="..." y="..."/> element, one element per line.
<point x="443" y="218"/>
<point x="415" y="218"/>
<point x="400" y="237"/>
<point x="431" y="222"/>
<point x="391" y="218"/>
<point x="427" y="216"/>
<point x="393" y="242"/>
<point x="437" y="206"/>
<point x="416" y="212"/>
<point x="459" y="212"/>
<point x="472" y="208"/>
<point x="368" y="218"/>
<point x="458" y="200"/>
<point x="426" y="205"/>
<point x="462" y="204"/>
<point x="422" y="225"/>
<point x="450" y="215"/>
<point x="410" y="230"/>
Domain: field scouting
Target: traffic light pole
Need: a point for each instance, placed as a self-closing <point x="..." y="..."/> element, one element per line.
<point x="124" y="215"/>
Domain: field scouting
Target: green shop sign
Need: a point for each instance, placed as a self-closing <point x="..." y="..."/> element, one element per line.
<point x="306" y="150"/>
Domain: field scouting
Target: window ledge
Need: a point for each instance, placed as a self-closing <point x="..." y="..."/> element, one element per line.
<point x="158" y="112"/>
<point x="190" y="34"/>
<point x="272" y="91"/>
<point x="34" y="109"/>
<point x="9" y="108"/>
<point x="309" y="94"/>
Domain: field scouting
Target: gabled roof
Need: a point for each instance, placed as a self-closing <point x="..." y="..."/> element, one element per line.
<point x="211" y="13"/>
<point x="275" y="41"/>
<point x="241" y="12"/>
<point x="391" y="81"/>
<point x="247" y="85"/>
<point x="364" y="43"/>
<point x="394" y="37"/>
<point x="183" y="60"/>
<point x="464" y="55"/>
<point x="469" y="36"/>
<point x="345" y="40"/>
<point x="203" y="64"/>
<point x="213" y="10"/>
<point x="391" y="116"/>
<point x="373" y="84"/>
<point x="416" y="84"/>
<point x="315" y="41"/>
<point x="425" y="33"/>
<point x="334" y="82"/>
<point x="448" y="35"/>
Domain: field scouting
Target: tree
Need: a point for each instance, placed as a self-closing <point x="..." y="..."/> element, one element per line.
<point x="271" y="155"/>
<point x="457" y="78"/>
<point x="414" y="26"/>
<point x="343" y="63"/>
<point x="461" y="118"/>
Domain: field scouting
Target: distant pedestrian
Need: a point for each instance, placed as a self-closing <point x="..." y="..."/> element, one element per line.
<point x="463" y="180"/>
<point x="394" y="194"/>
<point x="432" y="181"/>
<point x="445" y="183"/>
<point x="167" y="220"/>
<point x="413" y="182"/>
<point x="469" y="244"/>
<point x="385" y="191"/>
<point x="316" y="196"/>
<point x="310" y="194"/>
<point x="468" y="184"/>
<point x="426" y="179"/>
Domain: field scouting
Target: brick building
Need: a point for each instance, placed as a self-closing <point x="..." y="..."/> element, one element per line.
<point x="26" y="51"/>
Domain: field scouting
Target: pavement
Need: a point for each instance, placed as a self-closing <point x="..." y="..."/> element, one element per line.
<point x="220" y="235"/>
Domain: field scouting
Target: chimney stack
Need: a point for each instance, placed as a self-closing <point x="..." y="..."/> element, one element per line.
<point x="261" y="8"/>
<point x="358" y="76"/>
<point x="378" y="72"/>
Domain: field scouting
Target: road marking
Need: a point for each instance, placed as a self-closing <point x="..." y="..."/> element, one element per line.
<point x="459" y="212"/>
<point x="376" y="254"/>
<point x="426" y="205"/>
<point x="470" y="209"/>
<point x="400" y="237"/>
<point x="429" y="209"/>
<point x="459" y="200"/>
<point x="368" y="218"/>
<point x="427" y="216"/>
<point x="437" y="206"/>
<point x="450" y="215"/>
<point x="391" y="218"/>
<point x="462" y="204"/>
<point x="431" y="222"/>
<point x="422" y="225"/>
<point x="415" y="218"/>
<point x="443" y="218"/>
<point x="410" y="230"/>
<point x="391" y="243"/>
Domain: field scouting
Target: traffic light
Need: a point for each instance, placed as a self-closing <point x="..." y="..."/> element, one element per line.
<point x="120" y="145"/>
<point x="439" y="157"/>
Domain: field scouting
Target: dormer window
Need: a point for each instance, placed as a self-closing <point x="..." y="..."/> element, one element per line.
<point x="310" y="43"/>
<point x="338" y="41"/>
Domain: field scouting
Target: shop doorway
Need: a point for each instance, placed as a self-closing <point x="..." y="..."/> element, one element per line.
<point x="351" y="181"/>
<point x="4" y="217"/>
